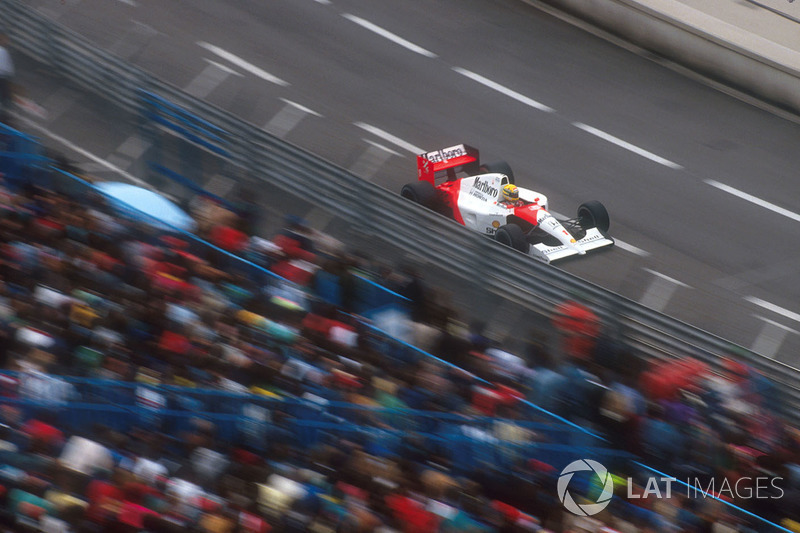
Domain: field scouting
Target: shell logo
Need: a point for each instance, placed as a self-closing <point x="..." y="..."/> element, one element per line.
<point x="495" y="224"/>
<point x="587" y="509"/>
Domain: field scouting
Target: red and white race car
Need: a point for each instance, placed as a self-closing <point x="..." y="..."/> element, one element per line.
<point x="476" y="201"/>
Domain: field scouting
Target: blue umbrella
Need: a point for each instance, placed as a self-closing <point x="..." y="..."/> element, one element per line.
<point x="146" y="205"/>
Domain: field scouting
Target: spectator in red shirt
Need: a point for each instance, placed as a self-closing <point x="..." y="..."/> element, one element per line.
<point x="229" y="237"/>
<point x="42" y="431"/>
<point x="105" y="498"/>
<point x="580" y="328"/>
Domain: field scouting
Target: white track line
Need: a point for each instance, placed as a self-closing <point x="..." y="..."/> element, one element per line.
<point x="287" y="118"/>
<point x="388" y="137"/>
<point x="667" y="278"/>
<point x="225" y="69"/>
<point x="754" y="200"/>
<point x="776" y="324"/>
<point x="302" y="108"/>
<point x="771" y="337"/>
<point x="660" y="291"/>
<point x="774" y="308"/>
<point x="242" y="64"/>
<point x="627" y="146"/>
<point x="630" y="248"/>
<point x="372" y="159"/>
<point x="504" y="90"/>
<point x="389" y="35"/>
<point x="382" y="147"/>
<point x="209" y="79"/>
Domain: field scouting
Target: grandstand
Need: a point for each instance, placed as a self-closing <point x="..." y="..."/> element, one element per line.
<point x="160" y="380"/>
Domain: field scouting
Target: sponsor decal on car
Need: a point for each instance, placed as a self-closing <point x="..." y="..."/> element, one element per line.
<point x="547" y="221"/>
<point x="446" y="153"/>
<point x="585" y="240"/>
<point x="593" y="237"/>
<point x="485" y="187"/>
<point x="479" y="195"/>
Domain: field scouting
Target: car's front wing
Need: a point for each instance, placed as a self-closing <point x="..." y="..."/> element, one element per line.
<point x="593" y="239"/>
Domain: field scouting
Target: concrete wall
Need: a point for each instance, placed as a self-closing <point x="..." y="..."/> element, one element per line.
<point x="702" y="42"/>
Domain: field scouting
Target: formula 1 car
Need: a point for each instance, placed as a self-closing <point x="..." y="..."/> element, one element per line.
<point x="476" y="201"/>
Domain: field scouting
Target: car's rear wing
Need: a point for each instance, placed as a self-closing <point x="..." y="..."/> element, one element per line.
<point x="451" y="160"/>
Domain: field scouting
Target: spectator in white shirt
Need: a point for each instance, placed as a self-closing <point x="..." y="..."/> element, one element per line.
<point x="149" y="470"/>
<point x="85" y="457"/>
<point x="185" y="493"/>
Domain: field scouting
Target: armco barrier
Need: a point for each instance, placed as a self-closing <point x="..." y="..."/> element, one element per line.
<point x="67" y="53"/>
<point x="430" y="237"/>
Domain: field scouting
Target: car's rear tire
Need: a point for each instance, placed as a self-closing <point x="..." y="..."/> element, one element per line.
<point x="593" y="214"/>
<point x="513" y="236"/>
<point x="499" y="166"/>
<point x="421" y="192"/>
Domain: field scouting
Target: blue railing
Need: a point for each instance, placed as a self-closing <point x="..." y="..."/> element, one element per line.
<point x="469" y="443"/>
<point x="67" y="393"/>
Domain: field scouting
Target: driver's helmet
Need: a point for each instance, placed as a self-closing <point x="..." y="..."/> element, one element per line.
<point x="510" y="193"/>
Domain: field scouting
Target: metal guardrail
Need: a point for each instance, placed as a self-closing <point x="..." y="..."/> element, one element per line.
<point x="430" y="237"/>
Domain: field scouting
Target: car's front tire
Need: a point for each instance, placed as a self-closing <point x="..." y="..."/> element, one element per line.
<point x="593" y="214"/>
<point x="512" y="235"/>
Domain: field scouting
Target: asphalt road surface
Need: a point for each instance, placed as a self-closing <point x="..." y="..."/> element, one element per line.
<point x="699" y="182"/>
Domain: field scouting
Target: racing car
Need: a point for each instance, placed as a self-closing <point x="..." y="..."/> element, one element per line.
<point x="476" y="201"/>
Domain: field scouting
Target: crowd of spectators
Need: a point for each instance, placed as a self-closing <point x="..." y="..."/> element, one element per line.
<point x="86" y="293"/>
